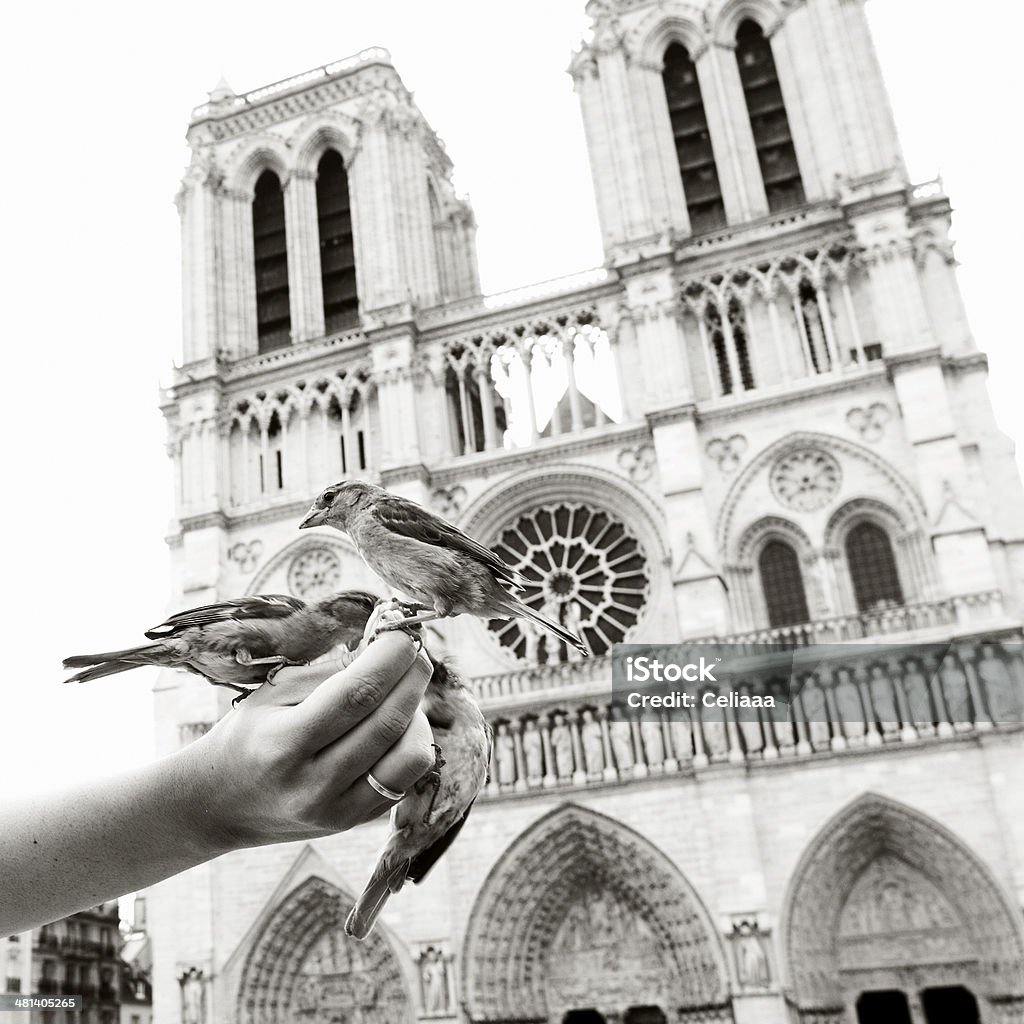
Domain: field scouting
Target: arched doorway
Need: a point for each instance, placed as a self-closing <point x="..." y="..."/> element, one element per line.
<point x="583" y="921"/>
<point x="303" y="968"/>
<point x="886" y="903"/>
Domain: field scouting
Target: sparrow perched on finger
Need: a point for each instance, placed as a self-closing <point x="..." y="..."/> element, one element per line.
<point x="429" y="817"/>
<point x="427" y="559"/>
<point x="243" y="642"/>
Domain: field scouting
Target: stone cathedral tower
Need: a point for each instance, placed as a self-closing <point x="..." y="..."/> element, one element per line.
<point x="763" y="419"/>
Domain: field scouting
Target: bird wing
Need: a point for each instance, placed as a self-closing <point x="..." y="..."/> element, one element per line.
<point x="256" y="606"/>
<point x="408" y="519"/>
<point x="424" y="861"/>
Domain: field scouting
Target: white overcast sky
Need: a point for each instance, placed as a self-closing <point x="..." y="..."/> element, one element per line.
<point x="98" y="98"/>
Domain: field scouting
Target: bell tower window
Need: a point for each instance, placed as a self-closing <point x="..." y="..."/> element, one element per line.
<point x="273" y="316"/>
<point x="772" y="138"/>
<point x="337" y="248"/>
<point x="693" y="141"/>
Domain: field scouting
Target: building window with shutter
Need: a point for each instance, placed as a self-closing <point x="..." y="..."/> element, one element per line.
<point x="782" y="584"/>
<point x="692" y="140"/>
<point x="270" y="248"/>
<point x="872" y="565"/>
<point x="337" y="245"/>
<point x="768" y="121"/>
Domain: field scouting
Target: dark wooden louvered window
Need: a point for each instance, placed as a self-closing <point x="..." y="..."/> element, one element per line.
<point x="337" y="248"/>
<point x="783" y="584"/>
<point x="775" y="153"/>
<point x="693" y="141"/>
<point x="869" y="555"/>
<point x="273" y="316"/>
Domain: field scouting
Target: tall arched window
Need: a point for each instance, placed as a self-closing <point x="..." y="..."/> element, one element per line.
<point x="693" y="141"/>
<point x="337" y="249"/>
<point x="273" y="316"/>
<point x="775" y="153"/>
<point x="783" y="584"/>
<point x="869" y="556"/>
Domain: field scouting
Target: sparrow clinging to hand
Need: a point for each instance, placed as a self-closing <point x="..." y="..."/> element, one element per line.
<point x="425" y="558"/>
<point x="240" y="643"/>
<point x="429" y="817"/>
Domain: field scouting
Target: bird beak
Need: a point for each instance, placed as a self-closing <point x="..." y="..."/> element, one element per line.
<point x="314" y="517"/>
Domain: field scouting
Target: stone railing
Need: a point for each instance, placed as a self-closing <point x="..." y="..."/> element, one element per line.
<point x="329" y="344"/>
<point x="961" y="611"/>
<point x="231" y="104"/>
<point x="826" y="701"/>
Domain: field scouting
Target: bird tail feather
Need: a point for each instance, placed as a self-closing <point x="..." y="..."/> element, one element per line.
<point x="559" y="630"/>
<point x="385" y="880"/>
<point x="111" y="662"/>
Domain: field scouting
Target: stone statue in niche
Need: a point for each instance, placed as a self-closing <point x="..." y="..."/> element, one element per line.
<point x="504" y="751"/>
<point x="622" y="741"/>
<point x="751" y="959"/>
<point x="593" y="751"/>
<point x="561" y="743"/>
<point x="532" y="751"/>
<point x="434" y="981"/>
<point x="654" y="742"/>
<point x="192" y="996"/>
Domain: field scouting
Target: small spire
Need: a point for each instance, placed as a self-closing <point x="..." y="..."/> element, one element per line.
<point x="222" y="91"/>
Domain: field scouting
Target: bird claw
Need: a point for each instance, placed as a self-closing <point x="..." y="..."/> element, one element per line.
<point x="432" y="778"/>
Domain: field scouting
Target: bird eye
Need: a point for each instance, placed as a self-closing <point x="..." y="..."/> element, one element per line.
<point x="327" y="498"/>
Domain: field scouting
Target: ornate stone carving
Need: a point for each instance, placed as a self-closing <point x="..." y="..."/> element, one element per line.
<point x="869" y="421"/>
<point x="449" y="501"/>
<point x="806" y="479"/>
<point x="193" y="996"/>
<point x="314" y="573"/>
<point x="561" y="744"/>
<point x="750" y="951"/>
<point x="583" y="568"/>
<point x="247" y="555"/>
<point x="637" y="462"/>
<point x="582" y="911"/>
<point x="304" y="969"/>
<point x="533" y="752"/>
<point x="919" y="862"/>
<point x="726" y="452"/>
<point x="437" y="990"/>
<point x="504" y="753"/>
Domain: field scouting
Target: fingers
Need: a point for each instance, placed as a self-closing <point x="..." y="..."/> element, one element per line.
<point x="408" y="760"/>
<point x="375" y="697"/>
<point x="399" y="769"/>
<point x="293" y="684"/>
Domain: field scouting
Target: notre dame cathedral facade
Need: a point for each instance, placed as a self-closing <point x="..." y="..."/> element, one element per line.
<point x="764" y="418"/>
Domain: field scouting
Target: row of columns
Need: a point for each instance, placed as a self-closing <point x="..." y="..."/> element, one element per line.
<point x="818" y="355"/>
<point x="533" y="355"/>
<point x="837" y="707"/>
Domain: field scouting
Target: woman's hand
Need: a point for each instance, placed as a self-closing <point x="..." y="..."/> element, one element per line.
<point x="290" y="761"/>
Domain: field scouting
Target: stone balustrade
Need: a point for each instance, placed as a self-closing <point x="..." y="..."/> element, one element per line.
<point x="827" y="701"/>
<point x="962" y="610"/>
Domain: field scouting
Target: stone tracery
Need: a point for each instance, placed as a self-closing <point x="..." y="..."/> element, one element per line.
<point x="577" y="883"/>
<point x="864" y="896"/>
<point x="304" y="968"/>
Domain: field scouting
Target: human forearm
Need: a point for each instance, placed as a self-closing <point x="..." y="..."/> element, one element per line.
<point x="288" y="763"/>
<point x="72" y="850"/>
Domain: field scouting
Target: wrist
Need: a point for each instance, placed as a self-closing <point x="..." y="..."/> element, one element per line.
<point x="196" y="801"/>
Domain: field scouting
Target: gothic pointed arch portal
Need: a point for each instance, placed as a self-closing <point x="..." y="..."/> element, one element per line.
<point x="886" y="899"/>
<point x="584" y="916"/>
<point x="304" y="969"/>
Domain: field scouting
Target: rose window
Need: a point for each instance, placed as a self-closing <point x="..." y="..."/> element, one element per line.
<point x="583" y="568"/>
<point x="314" y="573"/>
<point x="805" y="480"/>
